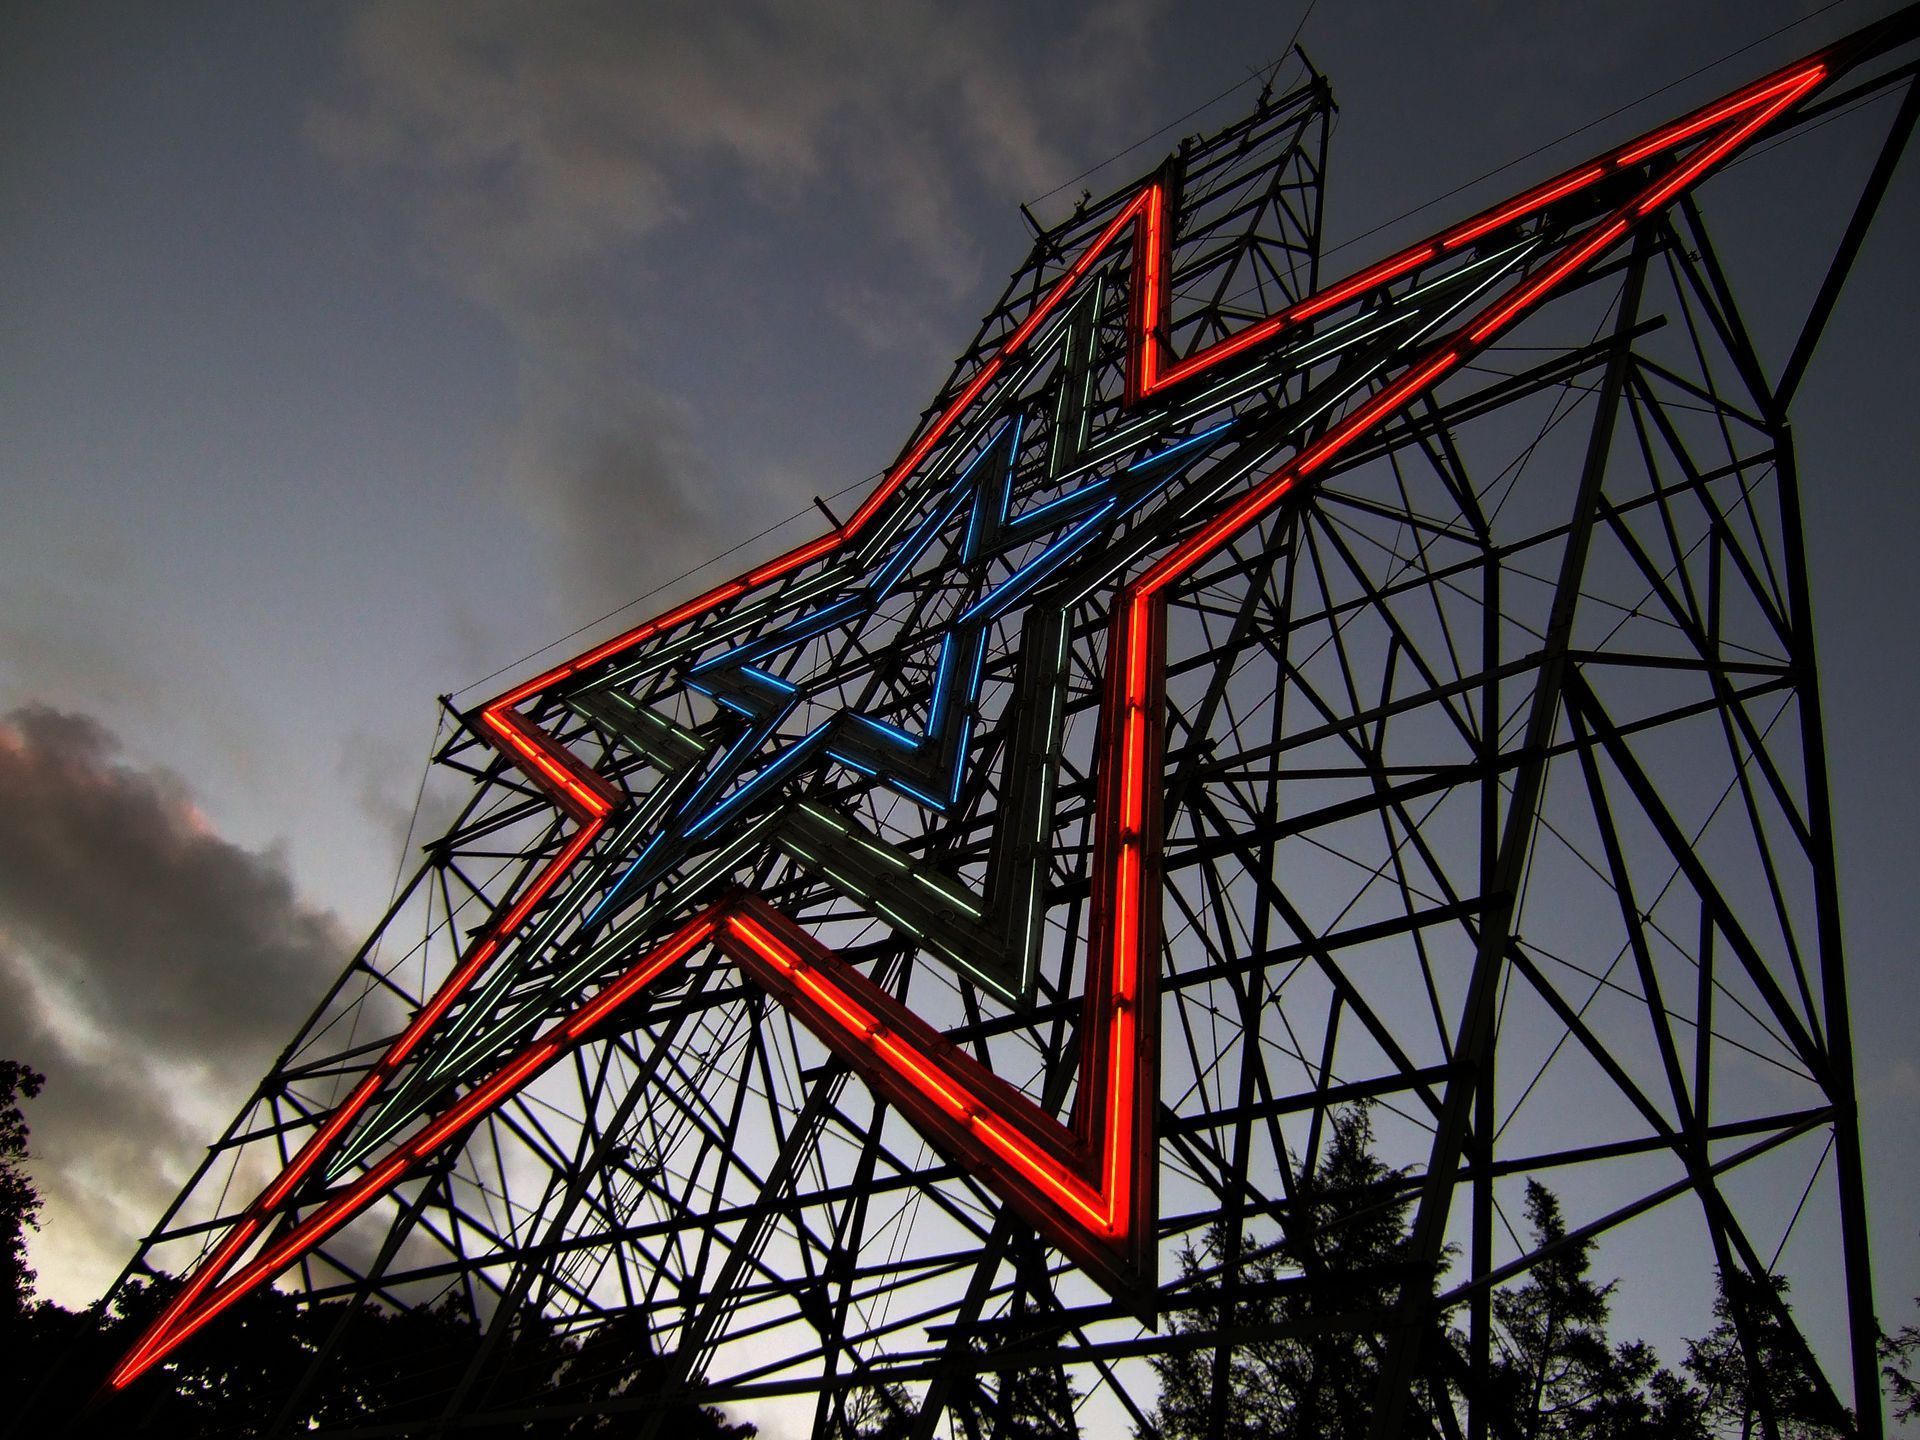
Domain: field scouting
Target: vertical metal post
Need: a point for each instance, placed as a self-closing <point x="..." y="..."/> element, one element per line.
<point x="1473" y="1047"/>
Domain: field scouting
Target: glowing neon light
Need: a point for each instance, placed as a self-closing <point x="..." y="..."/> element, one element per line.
<point x="1528" y="203"/>
<point x="971" y="548"/>
<point x="962" y="739"/>
<point x="916" y="545"/>
<point x="1149" y="258"/>
<point x="1038" y="568"/>
<point x="222" y="1256"/>
<point x="586" y="792"/>
<point x="1797" y="82"/>
<point x="1187" y="444"/>
<point x="794" y="559"/>
<point x="761" y="782"/>
<point x="774" y="680"/>
<point x="871" y="1021"/>
<point x="1683" y="130"/>
<point x="1077" y="497"/>
<point x="1712" y="154"/>
<point x="890" y="732"/>
<point x="894" y="782"/>
<point x="174" y="1325"/>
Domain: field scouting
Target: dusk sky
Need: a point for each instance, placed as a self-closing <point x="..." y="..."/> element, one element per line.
<point x="350" y="353"/>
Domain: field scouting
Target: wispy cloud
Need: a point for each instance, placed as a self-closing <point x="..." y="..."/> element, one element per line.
<point x="548" y="158"/>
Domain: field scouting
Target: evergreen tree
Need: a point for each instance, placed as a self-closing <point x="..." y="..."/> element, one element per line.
<point x="1031" y="1402"/>
<point x="1900" y="1350"/>
<point x="1775" y="1393"/>
<point x="878" y="1412"/>
<point x="386" y="1366"/>
<point x="19" y="1201"/>
<point x="392" y="1368"/>
<point x="1557" y="1372"/>
<point x="1025" y="1400"/>
<point x="1342" y="1252"/>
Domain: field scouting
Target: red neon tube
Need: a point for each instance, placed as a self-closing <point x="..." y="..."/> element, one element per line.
<point x="170" y="1330"/>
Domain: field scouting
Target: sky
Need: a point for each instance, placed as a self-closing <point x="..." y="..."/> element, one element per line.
<point x="350" y="354"/>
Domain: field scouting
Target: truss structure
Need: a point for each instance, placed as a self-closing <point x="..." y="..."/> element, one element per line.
<point x="1254" y="693"/>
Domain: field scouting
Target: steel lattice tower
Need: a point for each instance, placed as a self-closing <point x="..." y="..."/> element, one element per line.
<point x="1302" y="690"/>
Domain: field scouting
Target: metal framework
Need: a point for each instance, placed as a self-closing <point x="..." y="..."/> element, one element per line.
<point x="1251" y="694"/>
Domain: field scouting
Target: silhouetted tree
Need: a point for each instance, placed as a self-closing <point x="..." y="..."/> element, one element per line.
<point x="1343" y="1252"/>
<point x="1026" y="1402"/>
<point x="403" y="1367"/>
<point x="1025" y="1398"/>
<point x="19" y="1201"/>
<point x="1773" y="1391"/>
<point x="394" y="1367"/>
<point x="1901" y="1350"/>
<point x="879" y="1412"/>
<point x="1557" y="1372"/>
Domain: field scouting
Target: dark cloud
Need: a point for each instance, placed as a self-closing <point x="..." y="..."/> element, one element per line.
<point x="150" y="967"/>
<point x="544" y="157"/>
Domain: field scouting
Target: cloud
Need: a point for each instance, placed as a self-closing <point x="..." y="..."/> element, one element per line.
<point x="614" y="483"/>
<point x="546" y="159"/>
<point x="151" y="968"/>
<point x="539" y="141"/>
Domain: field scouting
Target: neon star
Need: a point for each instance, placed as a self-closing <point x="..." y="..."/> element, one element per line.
<point x="1085" y="1183"/>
